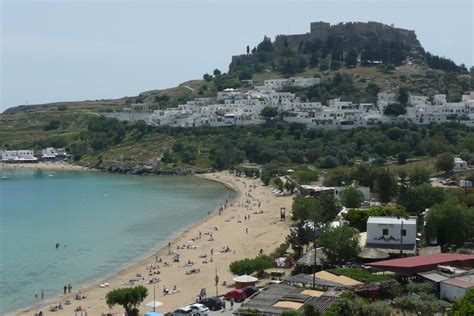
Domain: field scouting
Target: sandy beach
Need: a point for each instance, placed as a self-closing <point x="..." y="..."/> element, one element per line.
<point x="64" y="166"/>
<point x="202" y="241"/>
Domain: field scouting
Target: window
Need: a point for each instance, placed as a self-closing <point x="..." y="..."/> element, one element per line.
<point x="404" y="232"/>
<point x="385" y="231"/>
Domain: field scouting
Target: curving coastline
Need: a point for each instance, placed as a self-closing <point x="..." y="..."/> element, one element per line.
<point x="265" y="232"/>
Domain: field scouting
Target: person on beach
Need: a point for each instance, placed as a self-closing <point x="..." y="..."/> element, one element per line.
<point x="246" y="230"/>
<point x="69" y="287"/>
<point x="42" y="294"/>
<point x="65" y="288"/>
<point x="231" y="304"/>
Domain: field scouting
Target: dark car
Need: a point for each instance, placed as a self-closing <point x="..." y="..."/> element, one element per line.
<point x="250" y="290"/>
<point x="213" y="303"/>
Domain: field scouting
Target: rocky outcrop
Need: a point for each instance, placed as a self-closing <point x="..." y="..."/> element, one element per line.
<point x="153" y="170"/>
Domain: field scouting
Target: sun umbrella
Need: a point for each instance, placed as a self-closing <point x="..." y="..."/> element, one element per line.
<point x="154" y="304"/>
<point x="153" y="314"/>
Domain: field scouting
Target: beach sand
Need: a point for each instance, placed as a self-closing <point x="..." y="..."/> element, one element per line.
<point x="265" y="231"/>
<point x="44" y="166"/>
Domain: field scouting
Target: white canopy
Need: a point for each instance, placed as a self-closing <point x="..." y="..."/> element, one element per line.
<point x="245" y="279"/>
<point x="154" y="304"/>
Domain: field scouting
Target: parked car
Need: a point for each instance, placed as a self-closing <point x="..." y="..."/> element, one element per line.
<point x="184" y="311"/>
<point x="213" y="303"/>
<point x="237" y="295"/>
<point x="250" y="290"/>
<point x="201" y="309"/>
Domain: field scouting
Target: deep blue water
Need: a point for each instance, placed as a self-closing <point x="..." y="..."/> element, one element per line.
<point x="101" y="222"/>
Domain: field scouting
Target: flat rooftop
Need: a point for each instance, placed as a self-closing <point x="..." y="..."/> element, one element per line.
<point x="391" y="220"/>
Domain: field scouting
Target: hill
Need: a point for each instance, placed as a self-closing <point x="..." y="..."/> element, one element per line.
<point x="370" y="57"/>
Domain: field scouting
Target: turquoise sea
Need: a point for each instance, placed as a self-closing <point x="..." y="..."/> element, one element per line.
<point x="101" y="221"/>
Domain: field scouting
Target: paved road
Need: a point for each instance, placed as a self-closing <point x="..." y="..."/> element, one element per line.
<point x="227" y="311"/>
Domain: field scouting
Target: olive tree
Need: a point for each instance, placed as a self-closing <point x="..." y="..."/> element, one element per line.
<point x="129" y="298"/>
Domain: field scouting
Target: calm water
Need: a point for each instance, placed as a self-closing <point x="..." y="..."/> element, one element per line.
<point x="101" y="221"/>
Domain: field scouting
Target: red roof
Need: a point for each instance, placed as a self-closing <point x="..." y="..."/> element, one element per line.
<point x="459" y="283"/>
<point x="412" y="262"/>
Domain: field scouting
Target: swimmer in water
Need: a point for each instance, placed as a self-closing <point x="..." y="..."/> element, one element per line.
<point x="57" y="245"/>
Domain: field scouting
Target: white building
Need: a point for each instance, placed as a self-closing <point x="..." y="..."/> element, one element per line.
<point x="391" y="233"/>
<point x="18" y="156"/>
<point x="384" y="99"/>
<point x="278" y="84"/>
<point x="453" y="288"/>
<point x="459" y="164"/>
<point x="52" y="153"/>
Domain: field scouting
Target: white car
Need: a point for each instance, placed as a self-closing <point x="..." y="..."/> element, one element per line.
<point x="203" y="310"/>
<point x="184" y="311"/>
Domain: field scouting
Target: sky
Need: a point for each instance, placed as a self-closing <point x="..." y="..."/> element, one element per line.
<point x="64" y="50"/>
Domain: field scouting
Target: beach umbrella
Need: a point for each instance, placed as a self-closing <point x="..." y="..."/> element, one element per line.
<point x="153" y="314"/>
<point x="154" y="304"/>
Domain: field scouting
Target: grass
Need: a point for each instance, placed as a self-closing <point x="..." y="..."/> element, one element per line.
<point x="361" y="275"/>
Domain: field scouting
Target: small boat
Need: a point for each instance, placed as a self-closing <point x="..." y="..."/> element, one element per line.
<point x="51" y="175"/>
<point x="4" y="178"/>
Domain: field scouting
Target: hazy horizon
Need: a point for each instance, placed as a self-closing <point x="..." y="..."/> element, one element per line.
<point x="55" y="51"/>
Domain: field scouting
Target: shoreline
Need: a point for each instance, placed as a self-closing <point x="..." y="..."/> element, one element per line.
<point x="53" y="166"/>
<point x="95" y="302"/>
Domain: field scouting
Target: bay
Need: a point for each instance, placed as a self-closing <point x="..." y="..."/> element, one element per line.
<point x="102" y="222"/>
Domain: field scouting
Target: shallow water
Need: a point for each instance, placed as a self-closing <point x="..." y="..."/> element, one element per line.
<point x="101" y="222"/>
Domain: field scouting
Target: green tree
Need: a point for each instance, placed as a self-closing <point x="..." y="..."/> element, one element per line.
<point x="303" y="208"/>
<point x="340" y="244"/>
<point x="299" y="236"/>
<point x="419" y="175"/>
<point x="323" y="65"/>
<point x="207" y="77"/>
<point x="450" y="222"/>
<point x="351" y="59"/>
<point x="129" y="298"/>
<point x="372" y="89"/>
<point x="309" y="310"/>
<point x="403" y="96"/>
<point x="402" y="158"/>
<point x="445" y="162"/>
<point x="269" y="112"/>
<point x="352" y="197"/>
<point x="395" y="109"/>
<point x="464" y="305"/>
<point x="52" y="125"/>
<point x="417" y="199"/>
<point x="216" y="72"/>
<point x="385" y="187"/>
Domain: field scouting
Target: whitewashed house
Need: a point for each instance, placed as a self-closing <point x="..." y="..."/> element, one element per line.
<point x="459" y="164"/>
<point x="18" y="156"/>
<point x="391" y="233"/>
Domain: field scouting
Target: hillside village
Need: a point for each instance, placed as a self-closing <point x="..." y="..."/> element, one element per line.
<point x="234" y="107"/>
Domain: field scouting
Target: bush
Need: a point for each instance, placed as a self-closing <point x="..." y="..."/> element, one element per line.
<point x="249" y="266"/>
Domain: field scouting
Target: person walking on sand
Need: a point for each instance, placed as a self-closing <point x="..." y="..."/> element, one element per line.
<point x="246" y="230"/>
<point x="231" y="304"/>
<point x="42" y="295"/>
<point x="65" y="288"/>
<point x="69" y="287"/>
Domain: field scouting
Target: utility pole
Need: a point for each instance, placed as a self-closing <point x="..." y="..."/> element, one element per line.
<point x="217" y="283"/>
<point x="401" y="239"/>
